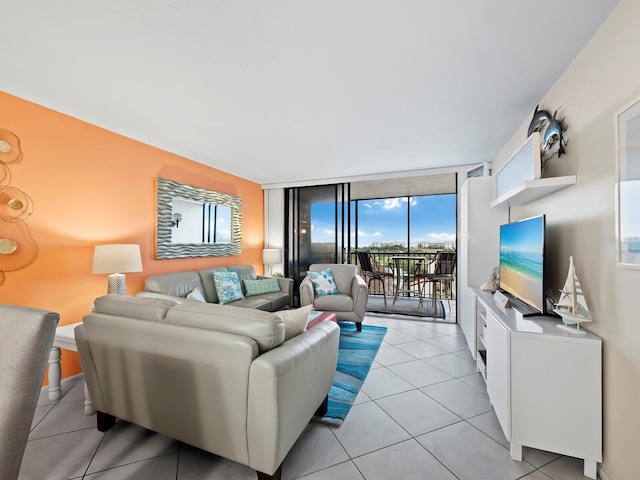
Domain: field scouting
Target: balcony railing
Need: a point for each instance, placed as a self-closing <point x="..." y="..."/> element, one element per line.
<point x="404" y="267"/>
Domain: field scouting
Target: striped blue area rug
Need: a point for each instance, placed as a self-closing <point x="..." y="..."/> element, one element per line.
<point x="355" y="356"/>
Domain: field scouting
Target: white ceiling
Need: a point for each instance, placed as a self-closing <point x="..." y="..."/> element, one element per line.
<point x="288" y="91"/>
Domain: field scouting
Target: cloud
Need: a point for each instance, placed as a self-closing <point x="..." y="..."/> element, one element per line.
<point x="367" y="205"/>
<point x="362" y="233"/>
<point x="391" y="203"/>
<point x="441" y="237"/>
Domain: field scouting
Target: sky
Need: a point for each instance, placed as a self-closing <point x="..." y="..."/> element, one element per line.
<point x="523" y="236"/>
<point x="433" y="219"/>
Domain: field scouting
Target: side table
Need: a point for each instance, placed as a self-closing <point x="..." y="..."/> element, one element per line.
<point x="64" y="339"/>
<point x="315" y="317"/>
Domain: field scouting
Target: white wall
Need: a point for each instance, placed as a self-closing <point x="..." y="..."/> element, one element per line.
<point x="274" y="222"/>
<point x="581" y="219"/>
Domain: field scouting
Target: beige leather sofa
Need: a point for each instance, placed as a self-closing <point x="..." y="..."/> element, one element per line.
<point x="177" y="286"/>
<point x="220" y="378"/>
<point x="350" y="305"/>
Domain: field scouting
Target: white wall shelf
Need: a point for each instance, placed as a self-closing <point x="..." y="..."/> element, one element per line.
<point x="531" y="190"/>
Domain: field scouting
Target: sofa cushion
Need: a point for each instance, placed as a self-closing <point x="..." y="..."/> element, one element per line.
<point x="295" y="321"/>
<point x="245" y="272"/>
<point x="323" y="283"/>
<point x="143" y="308"/>
<point x="257" y="302"/>
<point x="177" y="284"/>
<point x="334" y="303"/>
<point x="265" y="328"/>
<point x="278" y="300"/>
<point x="227" y="287"/>
<point x="260" y="287"/>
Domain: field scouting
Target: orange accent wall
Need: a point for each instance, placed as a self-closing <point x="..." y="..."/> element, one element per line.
<point x="91" y="186"/>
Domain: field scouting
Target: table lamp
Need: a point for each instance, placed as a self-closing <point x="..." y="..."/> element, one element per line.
<point x="116" y="259"/>
<point x="270" y="257"/>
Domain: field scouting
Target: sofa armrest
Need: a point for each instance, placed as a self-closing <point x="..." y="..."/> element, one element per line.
<point x="286" y="285"/>
<point x="360" y="295"/>
<point x="306" y="292"/>
<point x="286" y="387"/>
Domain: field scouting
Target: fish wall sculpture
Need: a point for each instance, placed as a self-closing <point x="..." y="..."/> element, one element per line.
<point x="552" y="129"/>
<point x="540" y="117"/>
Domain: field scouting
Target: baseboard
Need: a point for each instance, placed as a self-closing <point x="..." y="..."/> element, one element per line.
<point x="603" y="476"/>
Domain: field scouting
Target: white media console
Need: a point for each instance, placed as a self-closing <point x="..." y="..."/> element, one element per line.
<point x="544" y="383"/>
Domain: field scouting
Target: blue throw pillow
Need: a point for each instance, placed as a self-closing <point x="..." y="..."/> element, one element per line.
<point x="227" y="287"/>
<point x="323" y="283"/>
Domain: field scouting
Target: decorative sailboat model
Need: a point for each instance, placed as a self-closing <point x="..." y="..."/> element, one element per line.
<point x="572" y="306"/>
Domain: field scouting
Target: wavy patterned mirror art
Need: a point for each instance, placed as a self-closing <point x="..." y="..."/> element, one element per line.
<point x="195" y="222"/>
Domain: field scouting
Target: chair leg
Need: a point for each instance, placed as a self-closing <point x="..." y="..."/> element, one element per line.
<point x="324" y="406"/>
<point x="420" y="293"/>
<point x="105" y="421"/>
<point x="359" y="326"/>
<point x="384" y="290"/>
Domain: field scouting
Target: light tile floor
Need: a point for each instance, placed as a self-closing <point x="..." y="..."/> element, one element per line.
<point x="423" y="413"/>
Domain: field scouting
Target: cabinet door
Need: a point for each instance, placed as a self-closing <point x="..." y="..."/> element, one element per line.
<point x="556" y="395"/>
<point x="498" y="371"/>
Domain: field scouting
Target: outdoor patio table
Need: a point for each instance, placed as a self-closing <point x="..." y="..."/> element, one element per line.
<point x="405" y="276"/>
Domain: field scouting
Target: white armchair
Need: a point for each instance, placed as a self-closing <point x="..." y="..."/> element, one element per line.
<point x="350" y="304"/>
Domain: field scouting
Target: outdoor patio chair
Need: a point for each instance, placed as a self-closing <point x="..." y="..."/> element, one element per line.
<point x="444" y="270"/>
<point x="372" y="272"/>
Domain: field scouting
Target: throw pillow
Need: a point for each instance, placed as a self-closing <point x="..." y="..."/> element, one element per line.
<point x="227" y="287"/>
<point x="259" y="287"/>
<point x="196" y="295"/>
<point x="323" y="283"/>
<point x="295" y="321"/>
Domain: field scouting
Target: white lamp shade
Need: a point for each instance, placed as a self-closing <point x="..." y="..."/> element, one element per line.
<point x="271" y="256"/>
<point x="118" y="258"/>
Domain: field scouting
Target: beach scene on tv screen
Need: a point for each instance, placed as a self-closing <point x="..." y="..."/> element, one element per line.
<point x="521" y="248"/>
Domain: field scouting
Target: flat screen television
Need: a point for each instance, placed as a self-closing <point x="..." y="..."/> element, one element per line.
<point x="522" y="263"/>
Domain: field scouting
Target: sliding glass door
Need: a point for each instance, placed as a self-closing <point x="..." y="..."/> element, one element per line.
<point x="316" y="228"/>
<point x="323" y="225"/>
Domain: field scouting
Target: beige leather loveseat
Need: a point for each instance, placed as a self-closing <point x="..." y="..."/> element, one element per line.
<point x="179" y="284"/>
<point x="217" y="377"/>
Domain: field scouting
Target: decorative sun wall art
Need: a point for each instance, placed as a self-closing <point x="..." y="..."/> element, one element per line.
<point x="17" y="248"/>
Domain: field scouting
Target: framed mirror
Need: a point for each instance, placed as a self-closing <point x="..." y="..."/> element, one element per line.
<point x="195" y="222"/>
<point x="628" y="186"/>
